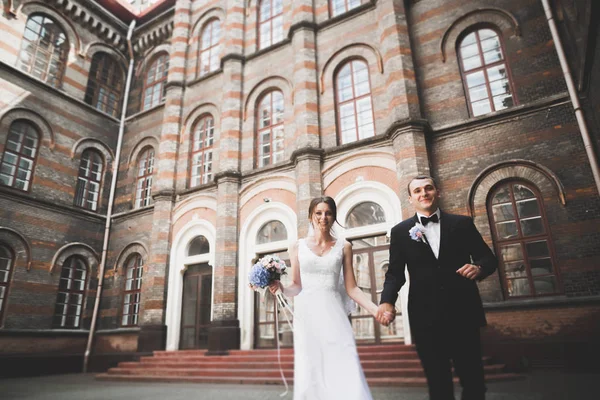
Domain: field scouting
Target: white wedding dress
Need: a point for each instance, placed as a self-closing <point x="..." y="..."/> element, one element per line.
<point x="326" y="363"/>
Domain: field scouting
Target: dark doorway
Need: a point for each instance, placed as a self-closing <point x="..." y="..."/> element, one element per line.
<point x="196" y="306"/>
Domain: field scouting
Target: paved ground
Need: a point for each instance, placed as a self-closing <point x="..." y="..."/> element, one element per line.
<point x="539" y="385"/>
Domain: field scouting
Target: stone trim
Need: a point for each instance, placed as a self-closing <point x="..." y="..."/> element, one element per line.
<point x="76" y="248"/>
<point x="127" y="252"/>
<point x="307" y="152"/>
<point x="499" y="17"/>
<point x="19" y="245"/>
<point x="225" y="176"/>
<point x="543" y="178"/>
<point x="369" y="53"/>
<point x="43" y="127"/>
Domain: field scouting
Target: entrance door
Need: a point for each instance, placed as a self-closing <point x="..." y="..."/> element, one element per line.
<point x="370" y="262"/>
<point x="196" y="307"/>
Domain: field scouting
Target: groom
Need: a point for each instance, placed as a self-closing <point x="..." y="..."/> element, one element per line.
<point x="445" y="256"/>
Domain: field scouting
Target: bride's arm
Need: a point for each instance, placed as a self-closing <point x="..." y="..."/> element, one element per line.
<point x="350" y="282"/>
<point x="296" y="286"/>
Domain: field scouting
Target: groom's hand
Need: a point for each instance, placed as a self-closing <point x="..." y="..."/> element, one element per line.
<point x="469" y="271"/>
<point x="386" y="313"/>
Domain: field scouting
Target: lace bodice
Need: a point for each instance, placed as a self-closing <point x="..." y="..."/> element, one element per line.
<point x="320" y="272"/>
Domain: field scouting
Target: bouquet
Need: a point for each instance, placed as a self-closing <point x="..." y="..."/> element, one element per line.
<point x="265" y="271"/>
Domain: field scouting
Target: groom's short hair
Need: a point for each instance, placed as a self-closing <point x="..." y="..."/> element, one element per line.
<point x="420" y="177"/>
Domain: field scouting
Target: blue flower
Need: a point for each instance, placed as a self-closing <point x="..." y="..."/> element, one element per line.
<point x="259" y="276"/>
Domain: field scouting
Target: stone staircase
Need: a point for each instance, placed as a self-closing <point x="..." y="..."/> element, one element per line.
<point x="384" y="365"/>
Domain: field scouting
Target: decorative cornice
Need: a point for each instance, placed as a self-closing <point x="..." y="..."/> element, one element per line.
<point x="136" y="212"/>
<point x="52" y="90"/>
<point x="87" y="14"/>
<point x="164" y="195"/>
<point x="406" y="125"/>
<point x="268" y="49"/>
<point x="160" y="31"/>
<point x="311" y="26"/>
<point x="307" y="153"/>
<point x="232" y="56"/>
<point x="228" y="176"/>
<point x="369" y="5"/>
<point x="25" y="198"/>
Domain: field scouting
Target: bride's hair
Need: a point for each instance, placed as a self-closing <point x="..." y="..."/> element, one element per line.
<point x="323" y="199"/>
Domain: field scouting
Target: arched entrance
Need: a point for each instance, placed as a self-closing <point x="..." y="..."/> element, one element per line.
<point x="197" y="295"/>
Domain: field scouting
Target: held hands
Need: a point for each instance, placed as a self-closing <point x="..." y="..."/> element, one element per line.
<point x="469" y="271"/>
<point x="386" y="313"/>
<point x="275" y="286"/>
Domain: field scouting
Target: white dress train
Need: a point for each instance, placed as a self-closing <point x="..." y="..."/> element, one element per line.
<point x="326" y="365"/>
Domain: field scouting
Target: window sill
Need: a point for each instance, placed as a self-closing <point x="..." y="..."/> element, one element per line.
<point x="134" y="212"/>
<point x="131" y="330"/>
<point x="205" y="77"/>
<point x="22" y="333"/>
<point x="541" y="302"/>
<point x="370" y="5"/>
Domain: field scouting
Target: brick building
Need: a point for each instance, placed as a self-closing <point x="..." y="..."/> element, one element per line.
<point x="238" y="113"/>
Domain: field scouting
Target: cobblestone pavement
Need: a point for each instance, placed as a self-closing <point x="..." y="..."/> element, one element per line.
<point x="539" y="385"/>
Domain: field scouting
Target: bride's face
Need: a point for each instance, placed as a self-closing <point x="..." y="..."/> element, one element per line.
<point x="322" y="217"/>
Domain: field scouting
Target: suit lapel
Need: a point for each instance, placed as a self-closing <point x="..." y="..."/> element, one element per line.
<point x="446" y="228"/>
<point x="423" y="245"/>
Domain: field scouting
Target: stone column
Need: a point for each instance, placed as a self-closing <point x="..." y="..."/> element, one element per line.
<point x="308" y="156"/>
<point x="153" y="303"/>
<point x="308" y="162"/>
<point x="224" y="333"/>
<point x="410" y="148"/>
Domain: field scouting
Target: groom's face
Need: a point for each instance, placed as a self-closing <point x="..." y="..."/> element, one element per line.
<point x="424" y="196"/>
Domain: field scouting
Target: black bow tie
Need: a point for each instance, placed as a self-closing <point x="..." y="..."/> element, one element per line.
<point x="433" y="218"/>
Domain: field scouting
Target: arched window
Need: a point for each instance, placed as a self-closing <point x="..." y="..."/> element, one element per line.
<point x="91" y="168"/>
<point x="363" y="214"/>
<point x="6" y="267"/>
<point x="209" y="47"/>
<point x="199" y="245"/>
<point x="71" y="293"/>
<point x="341" y="6"/>
<point x="145" y="169"/>
<point x="272" y="231"/>
<point x="202" y="151"/>
<point x="44" y="50"/>
<point x="20" y="152"/>
<point x="105" y="84"/>
<point x="155" y="82"/>
<point x="354" y="106"/>
<point x="133" y="290"/>
<point x="522" y="241"/>
<point x="485" y="72"/>
<point x="270" y="134"/>
<point x="270" y="23"/>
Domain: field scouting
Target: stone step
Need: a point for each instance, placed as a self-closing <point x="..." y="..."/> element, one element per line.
<point x="374" y="355"/>
<point x="393" y="381"/>
<point x="262" y="372"/>
<point x="286" y="350"/>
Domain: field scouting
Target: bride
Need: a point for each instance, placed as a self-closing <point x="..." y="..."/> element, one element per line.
<point x="326" y="363"/>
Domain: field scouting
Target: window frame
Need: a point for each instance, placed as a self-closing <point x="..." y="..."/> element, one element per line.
<point x="202" y="150"/>
<point x="354" y="99"/>
<point x="161" y="81"/>
<point x="484" y="67"/>
<point x="147" y="198"/>
<point x="76" y="201"/>
<point x="346" y="7"/>
<point x="135" y="261"/>
<point x="211" y="49"/>
<point x="71" y="259"/>
<point x="6" y="285"/>
<point x="268" y="21"/>
<point x="258" y="155"/>
<point x="107" y="84"/>
<point x="62" y="59"/>
<point x="19" y="155"/>
<point x="522" y="240"/>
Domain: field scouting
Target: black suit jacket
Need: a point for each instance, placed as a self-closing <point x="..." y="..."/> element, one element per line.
<point x="437" y="293"/>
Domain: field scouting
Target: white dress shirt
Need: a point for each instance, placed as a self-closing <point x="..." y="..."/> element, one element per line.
<point x="432" y="232"/>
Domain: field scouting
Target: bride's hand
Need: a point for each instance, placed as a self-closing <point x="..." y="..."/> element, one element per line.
<point x="275" y="286"/>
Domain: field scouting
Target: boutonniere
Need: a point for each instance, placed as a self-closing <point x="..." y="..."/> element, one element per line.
<point x="417" y="233"/>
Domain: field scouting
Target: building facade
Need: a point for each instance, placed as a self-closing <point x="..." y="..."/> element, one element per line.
<point x="237" y="115"/>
